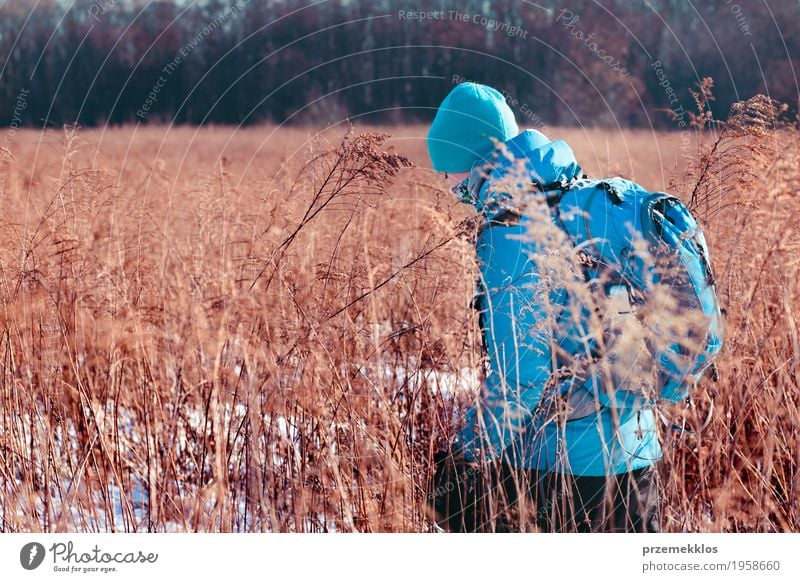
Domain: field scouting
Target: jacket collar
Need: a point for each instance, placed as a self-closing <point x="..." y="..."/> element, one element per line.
<point x="545" y="162"/>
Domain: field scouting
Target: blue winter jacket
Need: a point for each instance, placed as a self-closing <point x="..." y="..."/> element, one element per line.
<point x="505" y="419"/>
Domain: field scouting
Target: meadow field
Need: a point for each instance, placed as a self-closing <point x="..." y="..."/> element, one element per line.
<point x="269" y="328"/>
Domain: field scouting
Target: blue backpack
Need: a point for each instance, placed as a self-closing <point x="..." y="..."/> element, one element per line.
<point x="632" y="245"/>
<point x="611" y="224"/>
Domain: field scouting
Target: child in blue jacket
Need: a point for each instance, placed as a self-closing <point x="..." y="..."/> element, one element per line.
<point x="595" y="471"/>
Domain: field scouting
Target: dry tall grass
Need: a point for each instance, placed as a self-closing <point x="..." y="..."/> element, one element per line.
<point x="254" y="330"/>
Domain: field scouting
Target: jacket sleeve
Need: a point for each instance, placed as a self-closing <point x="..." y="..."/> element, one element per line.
<point x="518" y="341"/>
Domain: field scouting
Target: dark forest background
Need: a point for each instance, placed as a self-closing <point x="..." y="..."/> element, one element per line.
<point x="96" y="61"/>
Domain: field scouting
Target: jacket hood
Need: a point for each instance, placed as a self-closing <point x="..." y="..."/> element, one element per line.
<point x="467" y="124"/>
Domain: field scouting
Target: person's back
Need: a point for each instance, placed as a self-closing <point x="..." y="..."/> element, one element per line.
<point x="590" y="463"/>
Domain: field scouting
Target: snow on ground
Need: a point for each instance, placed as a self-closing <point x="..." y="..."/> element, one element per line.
<point x="123" y="506"/>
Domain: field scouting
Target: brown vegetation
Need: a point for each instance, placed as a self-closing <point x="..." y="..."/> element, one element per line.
<point x="270" y="330"/>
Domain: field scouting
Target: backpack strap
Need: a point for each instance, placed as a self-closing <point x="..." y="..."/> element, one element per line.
<point x="510" y="216"/>
<point x="554" y="192"/>
<point x="612" y="192"/>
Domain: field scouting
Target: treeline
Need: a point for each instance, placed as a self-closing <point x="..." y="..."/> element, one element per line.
<point x="587" y="62"/>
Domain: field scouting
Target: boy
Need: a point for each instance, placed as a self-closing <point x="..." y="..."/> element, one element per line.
<point x="595" y="469"/>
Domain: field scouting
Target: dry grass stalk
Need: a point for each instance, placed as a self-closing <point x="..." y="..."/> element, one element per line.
<point x="284" y="347"/>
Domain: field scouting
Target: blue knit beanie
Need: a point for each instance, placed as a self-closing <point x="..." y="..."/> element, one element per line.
<point x="467" y="119"/>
